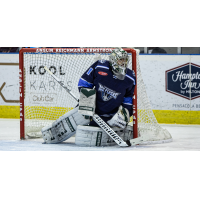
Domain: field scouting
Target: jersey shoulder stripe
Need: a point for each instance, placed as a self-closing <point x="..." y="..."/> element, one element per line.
<point x="104" y="65"/>
<point x="131" y="76"/>
<point x="133" y="79"/>
<point x="100" y="66"/>
<point x="84" y="83"/>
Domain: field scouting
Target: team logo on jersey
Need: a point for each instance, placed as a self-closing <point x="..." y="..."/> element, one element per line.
<point x="103" y="73"/>
<point x="107" y="93"/>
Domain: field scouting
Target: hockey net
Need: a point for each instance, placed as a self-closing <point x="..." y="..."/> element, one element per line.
<point x="42" y="100"/>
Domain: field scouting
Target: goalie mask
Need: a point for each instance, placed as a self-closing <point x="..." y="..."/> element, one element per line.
<point x="119" y="61"/>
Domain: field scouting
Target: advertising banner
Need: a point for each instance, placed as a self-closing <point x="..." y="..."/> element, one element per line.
<point x="173" y="87"/>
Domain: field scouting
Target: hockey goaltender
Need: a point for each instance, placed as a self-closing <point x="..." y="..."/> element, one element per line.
<point x="106" y="89"/>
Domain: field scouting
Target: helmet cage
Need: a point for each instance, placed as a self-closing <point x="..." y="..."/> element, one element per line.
<point x="119" y="62"/>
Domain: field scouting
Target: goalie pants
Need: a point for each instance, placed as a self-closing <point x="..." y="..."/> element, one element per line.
<point x="93" y="123"/>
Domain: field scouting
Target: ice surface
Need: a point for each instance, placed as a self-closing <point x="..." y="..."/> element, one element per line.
<point x="185" y="138"/>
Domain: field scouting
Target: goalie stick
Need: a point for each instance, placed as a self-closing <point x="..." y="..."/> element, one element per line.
<point x="95" y="117"/>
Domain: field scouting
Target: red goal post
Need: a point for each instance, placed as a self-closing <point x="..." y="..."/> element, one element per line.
<point x="84" y="51"/>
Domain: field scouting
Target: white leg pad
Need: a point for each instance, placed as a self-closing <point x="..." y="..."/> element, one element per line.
<point x="128" y="133"/>
<point x="64" y="127"/>
<point x="94" y="136"/>
<point x="46" y="134"/>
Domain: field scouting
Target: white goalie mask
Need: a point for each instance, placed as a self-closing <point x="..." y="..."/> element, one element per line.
<point x="119" y="61"/>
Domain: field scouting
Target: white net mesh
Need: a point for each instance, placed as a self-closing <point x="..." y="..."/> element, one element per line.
<point x="45" y="100"/>
<point x="148" y="126"/>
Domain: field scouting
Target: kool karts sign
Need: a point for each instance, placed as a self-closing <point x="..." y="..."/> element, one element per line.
<point x="184" y="81"/>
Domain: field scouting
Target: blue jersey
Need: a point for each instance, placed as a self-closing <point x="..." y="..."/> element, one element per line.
<point x="110" y="91"/>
